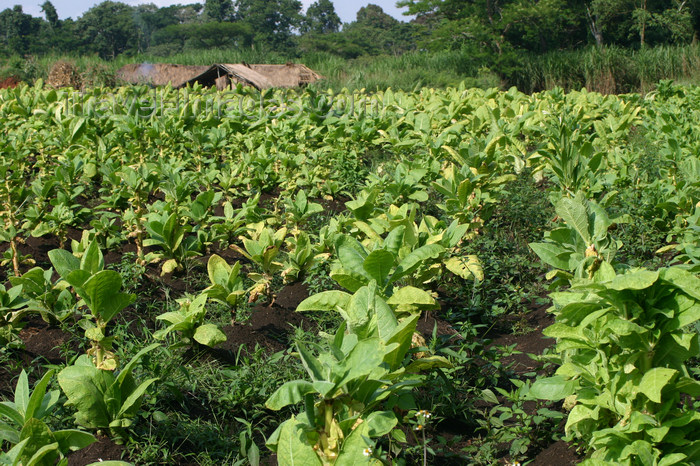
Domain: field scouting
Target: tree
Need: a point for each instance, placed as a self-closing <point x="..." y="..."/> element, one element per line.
<point x="373" y="16"/>
<point x="271" y="20"/>
<point x="108" y="29"/>
<point x="321" y="18"/>
<point x="178" y="37"/>
<point x="218" y="10"/>
<point x="183" y="13"/>
<point x="643" y="22"/>
<point x="372" y="33"/>
<point x="501" y="26"/>
<point x="51" y="14"/>
<point x="17" y="30"/>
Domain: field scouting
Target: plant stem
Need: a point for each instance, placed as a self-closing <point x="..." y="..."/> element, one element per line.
<point x="15" y="257"/>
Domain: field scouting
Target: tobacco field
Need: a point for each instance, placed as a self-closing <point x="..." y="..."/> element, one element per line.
<point x="444" y="276"/>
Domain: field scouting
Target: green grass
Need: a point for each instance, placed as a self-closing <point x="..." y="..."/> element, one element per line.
<point x="608" y="70"/>
<point x="611" y="69"/>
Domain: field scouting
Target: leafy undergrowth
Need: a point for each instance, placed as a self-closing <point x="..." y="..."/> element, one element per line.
<point x="326" y="287"/>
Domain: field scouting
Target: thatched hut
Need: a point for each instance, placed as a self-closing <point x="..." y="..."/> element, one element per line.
<point x="222" y="75"/>
<point x="159" y="74"/>
<point x="289" y="75"/>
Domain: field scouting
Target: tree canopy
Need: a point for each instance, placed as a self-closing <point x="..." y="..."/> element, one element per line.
<point x="490" y="31"/>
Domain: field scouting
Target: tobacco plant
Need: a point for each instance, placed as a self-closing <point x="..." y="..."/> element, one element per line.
<point x="623" y="345"/>
<point x="262" y="248"/>
<point x="302" y="256"/>
<point x="105" y="399"/>
<point x="168" y="233"/>
<point x="226" y="282"/>
<point x="100" y="291"/>
<point x="12" y="307"/>
<point x="299" y="210"/>
<point x="51" y="300"/>
<point x="583" y="249"/>
<point x="24" y="427"/>
<point x="139" y="182"/>
<point x="571" y="154"/>
<point x="469" y="196"/>
<point x="188" y="320"/>
<point x="355" y="386"/>
<point x="13" y="197"/>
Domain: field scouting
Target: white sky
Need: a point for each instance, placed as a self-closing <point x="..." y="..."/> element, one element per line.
<point x="346" y="9"/>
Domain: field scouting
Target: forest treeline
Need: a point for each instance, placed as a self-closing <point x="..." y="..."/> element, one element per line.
<point x="502" y="36"/>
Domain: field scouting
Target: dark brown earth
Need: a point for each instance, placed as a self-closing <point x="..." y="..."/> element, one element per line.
<point x="44" y="341"/>
<point x="102" y="450"/>
<point x="42" y="345"/>
<point x="9" y="83"/>
<point x="533" y="342"/>
<point x="557" y="454"/>
<point x="270" y="327"/>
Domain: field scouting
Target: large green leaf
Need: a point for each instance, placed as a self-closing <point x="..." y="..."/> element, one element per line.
<point x="403" y="336"/>
<point x="22" y="394"/>
<point x="574" y="213"/>
<point x="218" y="270"/>
<point x="360" y="309"/>
<point x="103" y="296"/>
<point x="292" y="448"/>
<point x="11" y="413"/>
<point x="552" y="388"/>
<point x="325" y="301"/>
<point x="415" y="258"/>
<point x="209" y="335"/>
<point x="380" y="423"/>
<point x="12" y="457"/>
<point x="133" y="402"/>
<point x="84" y="386"/>
<point x="410" y="299"/>
<point x="46" y="455"/>
<point x="580" y="413"/>
<point x="289" y="393"/>
<point x="37" y="397"/>
<point x="353" y="446"/>
<point x="395" y="239"/>
<point x="429" y="362"/>
<point x="385" y="318"/>
<point x="601" y="222"/>
<point x="638" y="280"/>
<point x="352" y="257"/>
<point x="686" y="281"/>
<point x="40" y="436"/>
<point x="552" y="254"/>
<point x="362" y="360"/>
<point x="64" y="262"/>
<point x="92" y="260"/>
<point x="378" y="265"/>
<point x="654" y="381"/>
<point x="73" y="439"/>
<point x="312" y="365"/>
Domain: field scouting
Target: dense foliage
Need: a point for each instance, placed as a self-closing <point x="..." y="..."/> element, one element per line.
<point x="505" y="37"/>
<point x="167" y="219"/>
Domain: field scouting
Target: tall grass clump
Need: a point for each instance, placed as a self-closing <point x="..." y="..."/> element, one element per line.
<point x="610" y="69"/>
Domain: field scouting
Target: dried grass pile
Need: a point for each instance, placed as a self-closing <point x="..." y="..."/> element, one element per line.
<point x="64" y="74"/>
